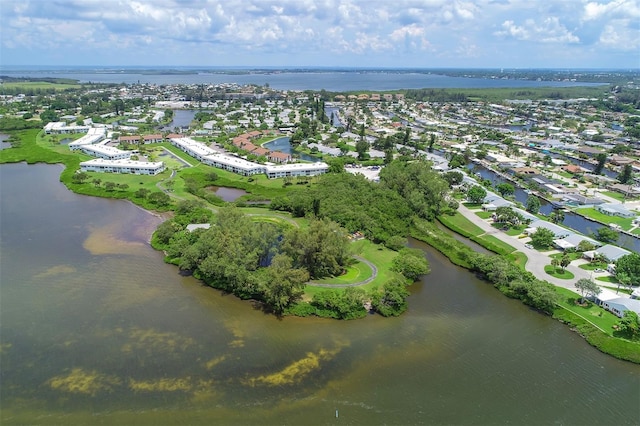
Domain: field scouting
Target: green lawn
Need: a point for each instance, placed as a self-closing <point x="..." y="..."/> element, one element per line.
<point x="592" y="213"/>
<point x="572" y="256"/>
<point x="460" y="224"/>
<point x="34" y="85"/>
<point x="494" y="244"/>
<point x="602" y="318"/>
<point x="483" y="214"/>
<point x="618" y="196"/>
<point x="593" y="265"/>
<point x="608" y="279"/>
<point x="558" y="272"/>
<point x="519" y="258"/>
<point x="636" y="231"/>
<point x="377" y="254"/>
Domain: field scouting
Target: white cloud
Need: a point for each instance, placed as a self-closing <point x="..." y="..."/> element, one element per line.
<point x="550" y="30"/>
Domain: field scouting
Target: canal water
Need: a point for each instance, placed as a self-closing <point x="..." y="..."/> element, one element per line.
<point x="96" y="329"/>
<point x="574" y="221"/>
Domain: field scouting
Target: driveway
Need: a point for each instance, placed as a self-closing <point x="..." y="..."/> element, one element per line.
<point x="537" y="261"/>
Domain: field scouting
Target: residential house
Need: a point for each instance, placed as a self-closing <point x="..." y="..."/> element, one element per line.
<point x="279" y="157"/>
<point x="614" y="209"/>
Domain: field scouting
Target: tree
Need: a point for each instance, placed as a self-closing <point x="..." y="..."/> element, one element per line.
<point x="557" y="216"/>
<point x="630" y="324"/>
<point x="80" y="177"/>
<point x="432" y="141"/>
<point x="555" y="262"/>
<point x="506" y="214"/>
<point x="626" y="175"/>
<point x="411" y="263"/>
<point x="476" y="194"/>
<point x="362" y="148"/>
<point x="141" y="193"/>
<point x="602" y="159"/>
<point x="606" y="235"/>
<point x="505" y="189"/>
<point x="629" y="265"/>
<point x="533" y="204"/>
<point x="542" y="238"/>
<point x="565" y="260"/>
<point x="97" y="182"/>
<point x="453" y="178"/>
<point x="585" y="245"/>
<point x="109" y="186"/>
<point x="159" y="198"/>
<point x="587" y="288"/>
<point x="392" y="300"/>
<point x="123" y="186"/>
<point x="283" y="284"/>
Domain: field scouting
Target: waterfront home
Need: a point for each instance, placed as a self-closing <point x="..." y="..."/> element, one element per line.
<point x="279" y="157"/>
<point x="573" y="240"/>
<point x="626" y="190"/>
<point x="558" y="231"/>
<point x="615" y="209"/>
<point x="609" y="252"/>
<point x="122" y="166"/>
<point x="615" y="304"/>
<point x="233" y="164"/>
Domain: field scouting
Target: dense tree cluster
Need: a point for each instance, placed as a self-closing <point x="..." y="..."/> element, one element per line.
<point x="514" y="282"/>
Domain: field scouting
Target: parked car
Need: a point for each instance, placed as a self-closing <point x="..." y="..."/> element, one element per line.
<point x="529" y="246"/>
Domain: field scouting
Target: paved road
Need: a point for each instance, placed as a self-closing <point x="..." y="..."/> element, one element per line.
<point x="537" y="261"/>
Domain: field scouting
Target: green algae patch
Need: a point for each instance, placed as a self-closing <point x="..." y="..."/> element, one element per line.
<point x="84" y="382"/>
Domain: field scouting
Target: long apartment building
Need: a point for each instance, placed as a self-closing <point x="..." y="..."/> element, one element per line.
<point x="243" y="167"/>
<point x="122" y="166"/>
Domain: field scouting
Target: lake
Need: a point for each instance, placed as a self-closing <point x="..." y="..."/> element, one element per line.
<point x="96" y="329"/>
<point x="332" y="80"/>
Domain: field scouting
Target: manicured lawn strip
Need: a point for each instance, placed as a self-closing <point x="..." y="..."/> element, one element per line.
<point x="572" y="256"/>
<point x="492" y="243"/>
<point x="515" y="231"/>
<point x="592" y="313"/>
<point x="460" y="224"/>
<point x="592" y="213"/>
<point x="592" y="265"/>
<point x="618" y="290"/>
<point x="615" y="346"/>
<point x="636" y="231"/>
<point x="608" y="279"/>
<point x="558" y="272"/>
<point x="519" y="258"/>
<point x="618" y="196"/>
<point x="483" y="214"/>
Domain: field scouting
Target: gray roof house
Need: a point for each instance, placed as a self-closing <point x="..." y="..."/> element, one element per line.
<point x="558" y="231"/>
<point x="610" y="252"/>
<point x="618" y="305"/>
<point x="572" y="241"/>
<point x="615" y="209"/>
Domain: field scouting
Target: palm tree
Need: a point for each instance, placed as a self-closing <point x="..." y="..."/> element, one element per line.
<point x="557" y="216"/>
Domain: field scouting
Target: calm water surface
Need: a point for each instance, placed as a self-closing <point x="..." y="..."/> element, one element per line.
<point x="96" y="329"/>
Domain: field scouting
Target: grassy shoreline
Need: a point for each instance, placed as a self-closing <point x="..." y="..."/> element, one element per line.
<point x="597" y="336"/>
<point x="32" y="152"/>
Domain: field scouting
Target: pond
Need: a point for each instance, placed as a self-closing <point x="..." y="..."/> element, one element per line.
<point x="283" y="145"/>
<point x="227" y="194"/>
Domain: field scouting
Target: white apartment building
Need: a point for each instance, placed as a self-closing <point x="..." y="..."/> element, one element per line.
<point x="122" y="166"/>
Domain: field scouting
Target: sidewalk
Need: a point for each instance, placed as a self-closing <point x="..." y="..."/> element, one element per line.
<point x="537" y="261"/>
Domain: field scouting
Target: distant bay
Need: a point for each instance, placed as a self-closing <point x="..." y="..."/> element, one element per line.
<point x="334" y="81"/>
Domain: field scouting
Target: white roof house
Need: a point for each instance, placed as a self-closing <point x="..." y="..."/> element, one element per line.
<point x="573" y="240"/>
<point x="106" y="152"/>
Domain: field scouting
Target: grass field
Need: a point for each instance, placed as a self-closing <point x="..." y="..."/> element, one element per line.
<point x="377" y="254"/>
<point x="592" y="213"/>
<point x="460" y="224"/>
<point x="42" y="85"/>
<point x="602" y="318"/>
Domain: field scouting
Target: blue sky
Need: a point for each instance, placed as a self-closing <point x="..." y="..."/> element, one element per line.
<point x="331" y="33"/>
